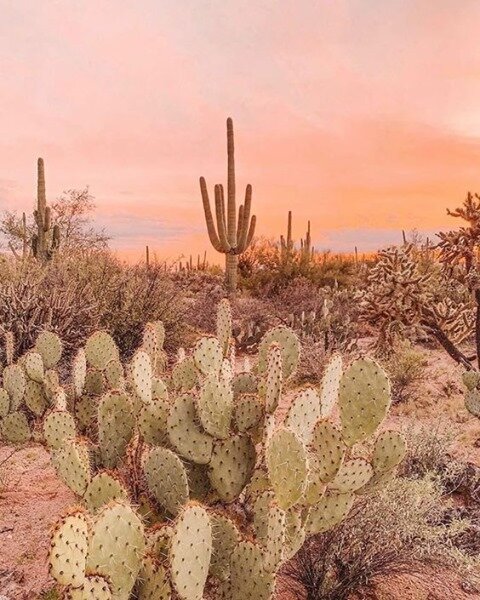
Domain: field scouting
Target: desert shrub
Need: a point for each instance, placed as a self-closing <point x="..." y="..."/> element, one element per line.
<point x="263" y="270"/>
<point x="429" y="452"/>
<point x="130" y="296"/>
<point x="33" y="299"/>
<point x="406" y="366"/>
<point x="78" y="293"/>
<point x="312" y="361"/>
<point x="400" y="529"/>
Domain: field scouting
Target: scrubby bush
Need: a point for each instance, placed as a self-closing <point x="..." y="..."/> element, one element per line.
<point x="399" y="530"/>
<point x="77" y="293"/>
<point x="406" y="366"/>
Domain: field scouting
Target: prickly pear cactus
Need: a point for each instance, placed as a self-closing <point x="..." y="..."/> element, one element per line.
<point x="194" y="450"/>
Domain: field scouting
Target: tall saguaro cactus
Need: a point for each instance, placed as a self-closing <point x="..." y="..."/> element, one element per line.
<point x="232" y="235"/>
<point x="47" y="238"/>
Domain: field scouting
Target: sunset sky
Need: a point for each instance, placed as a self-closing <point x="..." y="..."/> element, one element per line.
<point x="360" y="115"/>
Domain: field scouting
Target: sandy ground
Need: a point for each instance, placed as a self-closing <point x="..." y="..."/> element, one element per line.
<point x="31" y="498"/>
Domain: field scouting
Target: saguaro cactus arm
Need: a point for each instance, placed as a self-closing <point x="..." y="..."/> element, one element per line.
<point x="232" y="234"/>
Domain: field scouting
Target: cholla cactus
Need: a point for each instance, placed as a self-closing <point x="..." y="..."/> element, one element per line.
<point x="47" y="239"/>
<point x="402" y="300"/>
<point x="194" y="455"/>
<point x="231" y="236"/>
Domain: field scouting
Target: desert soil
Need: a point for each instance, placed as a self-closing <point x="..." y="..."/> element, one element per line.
<point x="31" y="498"/>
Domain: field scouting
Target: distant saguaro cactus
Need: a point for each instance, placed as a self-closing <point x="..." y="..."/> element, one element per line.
<point x="47" y="238"/>
<point x="231" y="236"/>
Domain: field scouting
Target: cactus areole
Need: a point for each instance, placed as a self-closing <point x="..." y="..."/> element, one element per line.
<point x="231" y="235"/>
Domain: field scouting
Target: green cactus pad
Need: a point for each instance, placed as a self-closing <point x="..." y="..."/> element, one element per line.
<point x="328" y="448"/>
<point x="86" y="411"/>
<point x="35" y="398"/>
<point x="208" y="356"/>
<point x="154" y="582"/>
<point x="160" y="331"/>
<point x="185" y="435"/>
<point x="224" y="325"/>
<point x="159" y="389"/>
<point x="50" y="347"/>
<point x="185" y="375"/>
<point x="258" y="483"/>
<point x="364" y="399"/>
<point x="472" y="402"/>
<point x="115" y="375"/>
<point x="158" y="539"/>
<point x="72" y="465"/>
<point x="100" y="349"/>
<point x="315" y="488"/>
<point x="377" y="482"/>
<point x="471" y="379"/>
<point x="274" y="540"/>
<point x="198" y="481"/>
<point x="150" y="342"/>
<point x="141" y="375"/>
<point x="166" y="478"/>
<point x="51" y="383"/>
<point x="303" y="413"/>
<point x="389" y="451"/>
<point x="152" y="422"/>
<point x="260" y="509"/>
<point x="352" y="475"/>
<point x="330" y="385"/>
<point x="33" y="365"/>
<point x="93" y="587"/>
<point x="68" y="549"/>
<point x="59" y="400"/>
<point x="116" y="547"/>
<point x="248" y="412"/>
<point x="249" y="580"/>
<point x="103" y="488"/>
<point x="14" y="382"/>
<point x="215" y="407"/>
<point x="58" y="426"/>
<point x="289" y="346"/>
<point x="225" y="536"/>
<point x="190" y="552"/>
<point x="95" y="383"/>
<point x="287" y="465"/>
<point x="271" y="386"/>
<point x="231" y="466"/>
<point x="14" y="428"/>
<point x="244" y="383"/>
<point x="330" y="511"/>
<point x="294" y="532"/>
<point x="4" y="403"/>
<point x="116" y="425"/>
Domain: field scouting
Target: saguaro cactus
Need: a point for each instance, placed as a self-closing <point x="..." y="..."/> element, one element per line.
<point x="231" y="236"/>
<point x="47" y="238"/>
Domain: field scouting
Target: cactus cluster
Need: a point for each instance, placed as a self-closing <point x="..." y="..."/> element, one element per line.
<point x="224" y="490"/>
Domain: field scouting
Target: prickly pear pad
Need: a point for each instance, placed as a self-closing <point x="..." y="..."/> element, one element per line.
<point x="68" y="549"/>
<point x="287" y="467"/>
<point x="190" y="552"/>
<point x="364" y="399"/>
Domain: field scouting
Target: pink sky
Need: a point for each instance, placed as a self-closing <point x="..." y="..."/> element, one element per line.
<point x="363" y="116"/>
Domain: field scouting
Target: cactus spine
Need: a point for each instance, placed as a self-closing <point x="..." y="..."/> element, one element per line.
<point x="47" y="238"/>
<point x="231" y="236"/>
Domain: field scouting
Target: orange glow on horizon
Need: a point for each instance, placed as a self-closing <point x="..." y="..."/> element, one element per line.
<point x="360" y="117"/>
